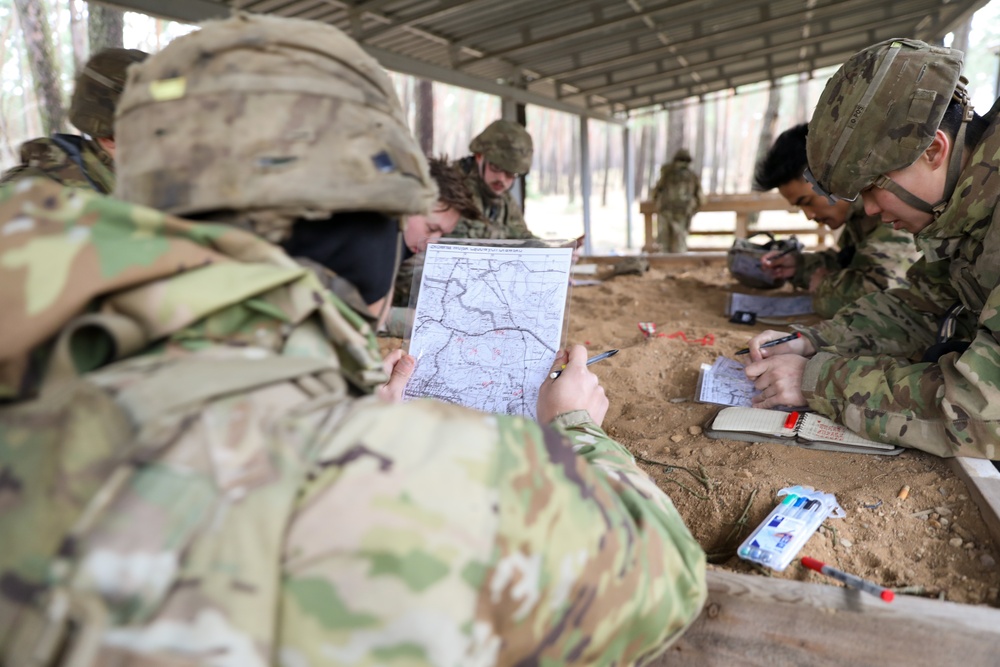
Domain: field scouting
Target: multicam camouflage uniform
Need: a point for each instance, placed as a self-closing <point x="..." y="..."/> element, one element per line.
<point x="951" y="407"/>
<point x="872" y="257"/>
<point x="502" y="214"/>
<point x="677" y="195"/>
<point x="73" y="160"/>
<point x="68" y="159"/>
<point x="506" y="145"/>
<point x="227" y="494"/>
<point x="404" y="280"/>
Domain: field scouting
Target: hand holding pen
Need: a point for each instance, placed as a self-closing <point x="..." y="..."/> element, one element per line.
<point x="794" y="343"/>
<point x="579" y="389"/>
<point x="773" y="343"/>
<point x="592" y="360"/>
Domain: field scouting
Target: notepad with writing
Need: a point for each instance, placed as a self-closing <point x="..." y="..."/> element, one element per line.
<point x="802" y="429"/>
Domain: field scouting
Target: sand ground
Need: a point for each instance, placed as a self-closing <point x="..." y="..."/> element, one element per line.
<point x="933" y="543"/>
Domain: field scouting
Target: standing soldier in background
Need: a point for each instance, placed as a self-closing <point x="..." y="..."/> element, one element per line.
<point x="871" y="256"/>
<point x="677" y="196"/>
<point x="70" y="159"/>
<point x="195" y="470"/>
<point x="500" y="155"/>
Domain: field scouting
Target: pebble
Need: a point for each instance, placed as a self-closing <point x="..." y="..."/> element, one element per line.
<point x="679" y="399"/>
<point x="846" y="543"/>
<point x="676" y="437"/>
<point x="944" y="511"/>
<point x="694" y="430"/>
<point x="968" y="545"/>
<point x="944" y="521"/>
<point x="934" y="523"/>
<point x="987" y="561"/>
<point x="955" y="542"/>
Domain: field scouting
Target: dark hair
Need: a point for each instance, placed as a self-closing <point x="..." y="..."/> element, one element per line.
<point x="953" y="119"/>
<point x="451" y="188"/>
<point x="785" y="160"/>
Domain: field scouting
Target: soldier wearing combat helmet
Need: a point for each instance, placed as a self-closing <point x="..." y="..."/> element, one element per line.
<point x="219" y="483"/>
<point x="500" y="154"/>
<point x="895" y="128"/>
<point x="677" y="195"/>
<point x="83" y="161"/>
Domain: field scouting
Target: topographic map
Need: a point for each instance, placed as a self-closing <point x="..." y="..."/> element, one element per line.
<point x="488" y="325"/>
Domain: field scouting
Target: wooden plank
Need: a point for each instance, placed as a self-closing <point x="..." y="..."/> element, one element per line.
<point x="983" y="481"/>
<point x="745" y="202"/>
<point x="751" y="620"/>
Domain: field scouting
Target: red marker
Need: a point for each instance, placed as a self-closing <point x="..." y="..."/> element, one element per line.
<point x="848" y="579"/>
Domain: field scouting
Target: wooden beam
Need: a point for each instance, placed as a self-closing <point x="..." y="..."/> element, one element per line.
<point x="983" y="481"/>
<point x="751" y="620"/>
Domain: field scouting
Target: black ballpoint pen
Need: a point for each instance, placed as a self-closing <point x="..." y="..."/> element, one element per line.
<point x="772" y="343"/>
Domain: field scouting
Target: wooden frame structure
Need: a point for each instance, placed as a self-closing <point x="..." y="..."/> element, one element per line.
<point x="742" y="204"/>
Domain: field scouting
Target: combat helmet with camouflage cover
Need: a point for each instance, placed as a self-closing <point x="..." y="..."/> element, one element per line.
<point x="879" y="113"/>
<point x="506" y="145"/>
<point x="98" y="88"/>
<point x="682" y="155"/>
<point x="286" y="118"/>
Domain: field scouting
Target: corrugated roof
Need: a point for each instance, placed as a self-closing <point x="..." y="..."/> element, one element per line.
<point x="604" y="57"/>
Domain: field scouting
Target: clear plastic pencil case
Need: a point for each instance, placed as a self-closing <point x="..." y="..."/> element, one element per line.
<point x="789" y="526"/>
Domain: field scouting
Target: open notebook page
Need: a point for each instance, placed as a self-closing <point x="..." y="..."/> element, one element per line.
<point x="820" y="429"/>
<point x="753" y="420"/>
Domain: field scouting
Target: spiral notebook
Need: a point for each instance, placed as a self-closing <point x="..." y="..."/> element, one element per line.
<point x="800" y="429"/>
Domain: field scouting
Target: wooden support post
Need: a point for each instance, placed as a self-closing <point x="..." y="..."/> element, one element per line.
<point x="751" y="621"/>
<point x="650" y="246"/>
<point x="742" y="224"/>
<point x="983" y="481"/>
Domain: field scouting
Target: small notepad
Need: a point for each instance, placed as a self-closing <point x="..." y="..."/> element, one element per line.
<point x="802" y="429"/>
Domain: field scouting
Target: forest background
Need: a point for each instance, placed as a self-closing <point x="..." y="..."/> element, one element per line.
<point x="43" y="43"/>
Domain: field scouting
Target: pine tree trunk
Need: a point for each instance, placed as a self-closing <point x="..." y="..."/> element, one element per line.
<point x="640" y="162"/>
<point x="699" y="142"/>
<point x="105" y="27"/>
<point x="574" y="163"/>
<point x="767" y="127"/>
<point x="675" y="137"/>
<point x="78" y="33"/>
<point x="44" y="65"/>
<point x="425" y="115"/>
<point x="802" y="109"/>
<point x="607" y="164"/>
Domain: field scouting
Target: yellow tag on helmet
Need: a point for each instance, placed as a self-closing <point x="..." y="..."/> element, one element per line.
<point x="168" y="89"/>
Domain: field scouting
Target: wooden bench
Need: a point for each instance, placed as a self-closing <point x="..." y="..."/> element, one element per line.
<point x="743" y="205"/>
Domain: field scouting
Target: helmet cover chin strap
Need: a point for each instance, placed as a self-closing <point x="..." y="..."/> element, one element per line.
<point x="954" y="165"/>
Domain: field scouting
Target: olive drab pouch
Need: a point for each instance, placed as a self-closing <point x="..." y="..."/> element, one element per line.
<point x="744" y="258"/>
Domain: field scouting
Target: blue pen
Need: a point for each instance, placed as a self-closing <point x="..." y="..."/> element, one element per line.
<point x="796" y="510"/>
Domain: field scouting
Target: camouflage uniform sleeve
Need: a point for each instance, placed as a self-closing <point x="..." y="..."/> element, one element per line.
<point x="810" y="262"/>
<point x="404" y="280"/>
<point x="516" y="227"/>
<point x="880" y="262"/>
<point x="482" y="539"/>
<point x="948" y="408"/>
<point x="901" y="322"/>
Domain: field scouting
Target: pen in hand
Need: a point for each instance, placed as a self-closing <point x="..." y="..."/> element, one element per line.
<point x="772" y="343"/>
<point x="594" y="359"/>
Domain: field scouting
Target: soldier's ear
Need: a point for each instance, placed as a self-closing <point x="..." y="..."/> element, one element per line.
<point x="939" y="150"/>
